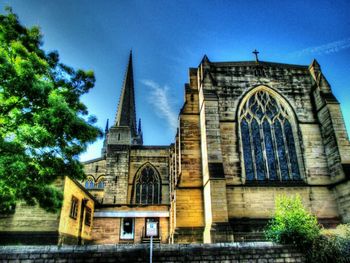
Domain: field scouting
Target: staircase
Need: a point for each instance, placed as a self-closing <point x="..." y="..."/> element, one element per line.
<point x="156" y="240"/>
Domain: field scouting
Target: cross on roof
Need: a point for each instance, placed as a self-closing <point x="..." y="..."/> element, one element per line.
<point x="255" y="52"/>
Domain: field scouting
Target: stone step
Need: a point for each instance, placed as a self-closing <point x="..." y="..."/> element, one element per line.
<point x="148" y="240"/>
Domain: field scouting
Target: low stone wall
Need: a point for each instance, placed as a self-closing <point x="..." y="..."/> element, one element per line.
<point x="260" y="252"/>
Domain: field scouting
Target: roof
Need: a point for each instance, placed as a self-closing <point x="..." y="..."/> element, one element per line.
<point x="254" y="63"/>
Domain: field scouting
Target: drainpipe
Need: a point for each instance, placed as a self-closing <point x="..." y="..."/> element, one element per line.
<point x="83" y="205"/>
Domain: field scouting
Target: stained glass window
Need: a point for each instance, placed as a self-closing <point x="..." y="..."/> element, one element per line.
<point x="101" y="183"/>
<point x="267" y="137"/>
<point x="90" y="183"/>
<point x="147" y="186"/>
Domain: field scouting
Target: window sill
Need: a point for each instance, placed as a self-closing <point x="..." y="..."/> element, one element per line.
<point x="276" y="183"/>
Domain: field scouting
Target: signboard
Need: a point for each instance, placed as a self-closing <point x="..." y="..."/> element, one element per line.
<point x="152" y="229"/>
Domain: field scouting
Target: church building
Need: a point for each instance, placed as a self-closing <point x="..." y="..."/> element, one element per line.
<point x="248" y="132"/>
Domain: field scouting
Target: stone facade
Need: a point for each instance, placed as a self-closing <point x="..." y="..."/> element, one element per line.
<point x="234" y="206"/>
<point x="219" y="180"/>
<point x="136" y="179"/>
<point x="205" y="187"/>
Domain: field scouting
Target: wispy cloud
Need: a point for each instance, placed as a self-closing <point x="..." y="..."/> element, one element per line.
<point x="325" y="49"/>
<point x="159" y="98"/>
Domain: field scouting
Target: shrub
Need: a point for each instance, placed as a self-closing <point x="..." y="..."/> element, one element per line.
<point x="333" y="245"/>
<point x="292" y="224"/>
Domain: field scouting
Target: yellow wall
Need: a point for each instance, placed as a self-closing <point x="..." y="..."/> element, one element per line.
<point x="69" y="226"/>
<point x="189" y="208"/>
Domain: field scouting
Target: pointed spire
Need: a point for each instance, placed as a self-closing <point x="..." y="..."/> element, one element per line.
<point x="205" y="60"/>
<point x="126" y="115"/>
<point x="314" y="64"/>
<point x="139" y="131"/>
<point x="107" y="127"/>
<point x="315" y="69"/>
<point x="104" y="147"/>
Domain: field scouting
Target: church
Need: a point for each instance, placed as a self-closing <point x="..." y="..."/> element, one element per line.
<point x="248" y="132"/>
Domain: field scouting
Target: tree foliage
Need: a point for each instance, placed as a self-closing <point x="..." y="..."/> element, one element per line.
<point x="43" y="124"/>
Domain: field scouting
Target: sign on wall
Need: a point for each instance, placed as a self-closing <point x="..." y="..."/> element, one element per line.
<point x="152" y="229"/>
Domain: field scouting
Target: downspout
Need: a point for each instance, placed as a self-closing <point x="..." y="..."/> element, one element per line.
<point x="83" y="205"/>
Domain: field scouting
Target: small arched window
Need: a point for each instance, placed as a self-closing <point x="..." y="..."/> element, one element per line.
<point x="267" y="132"/>
<point x="101" y="183"/>
<point x="90" y="183"/>
<point x="147" y="186"/>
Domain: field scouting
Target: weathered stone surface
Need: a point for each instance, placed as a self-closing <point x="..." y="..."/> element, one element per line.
<point x="221" y="252"/>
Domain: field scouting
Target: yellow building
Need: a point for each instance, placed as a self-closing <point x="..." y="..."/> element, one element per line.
<point x="33" y="225"/>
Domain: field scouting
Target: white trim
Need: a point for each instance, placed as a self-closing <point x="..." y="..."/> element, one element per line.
<point x="131" y="214"/>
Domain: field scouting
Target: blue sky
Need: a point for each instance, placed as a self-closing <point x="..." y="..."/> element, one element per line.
<point x="168" y="37"/>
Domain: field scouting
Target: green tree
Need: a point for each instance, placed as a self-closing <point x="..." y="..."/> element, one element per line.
<point x="43" y="124"/>
<point x="292" y="224"/>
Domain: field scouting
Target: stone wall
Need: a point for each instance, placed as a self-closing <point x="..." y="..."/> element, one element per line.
<point x="259" y="202"/>
<point x="342" y="192"/>
<point x="221" y="252"/>
<point x="106" y="230"/>
<point x="30" y="224"/>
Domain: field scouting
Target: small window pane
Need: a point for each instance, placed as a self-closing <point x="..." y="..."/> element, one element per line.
<point x="281" y="150"/>
<point x="73" y="213"/>
<point x="247" y="152"/>
<point x="259" y="160"/>
<point x="127" y="228"/>
<point x="270" y="151"/>
<point x="138" y="193"/>
<point x="291" y="149"/>
<point x="87" y="216"/>
<point x="101" y="184"/>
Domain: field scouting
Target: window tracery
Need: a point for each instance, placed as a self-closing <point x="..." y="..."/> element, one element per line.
<point x="267" y="137"/>
<point x="148" y="186"/>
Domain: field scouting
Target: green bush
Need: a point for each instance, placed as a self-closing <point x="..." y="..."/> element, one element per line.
<point x="292" y="224"/>
<point x="333" y="245"/>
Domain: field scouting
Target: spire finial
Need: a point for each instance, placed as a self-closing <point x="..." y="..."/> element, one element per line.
<point x="255" y="52"/>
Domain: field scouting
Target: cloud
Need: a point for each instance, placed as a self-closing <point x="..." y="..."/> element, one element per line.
<point x="325" y="49"/>
<point x="159" y="98"/>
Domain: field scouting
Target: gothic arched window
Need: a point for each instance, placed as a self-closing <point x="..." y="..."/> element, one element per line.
<point x="100" y="182"/>
<point x="148" y="186"/>
<point x="267" y="134"/>
<point x="90" y="183"/>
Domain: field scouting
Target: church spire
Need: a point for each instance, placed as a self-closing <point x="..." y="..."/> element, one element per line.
<point x="126" y="115"/>
<point x="104" y="147"/>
